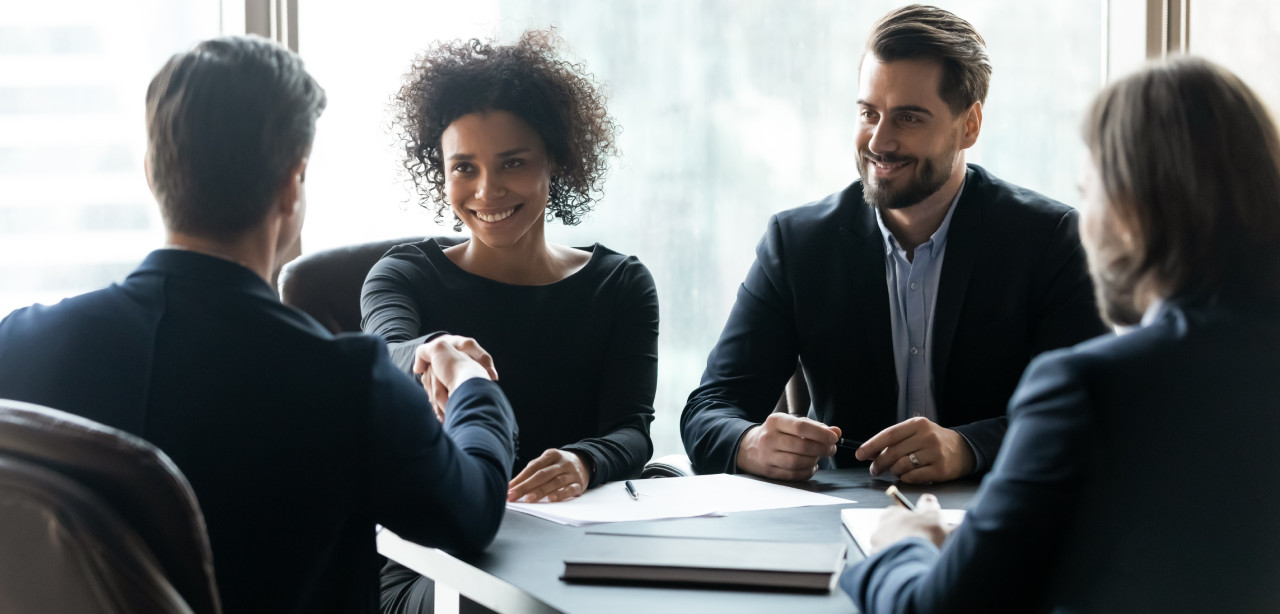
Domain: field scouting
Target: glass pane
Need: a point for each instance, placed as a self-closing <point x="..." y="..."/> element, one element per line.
<point x="730" y="111"/>
<point x="75" y="211"/>
<point x="1244" y="36"/>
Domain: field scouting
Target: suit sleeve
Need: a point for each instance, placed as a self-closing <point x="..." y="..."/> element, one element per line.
<point x="440" y="485"/>
<point x="1000" y="558"/>
<point x="389" y="308"/>
<point x="628" y="382"/>
<point x="749" y="366"/>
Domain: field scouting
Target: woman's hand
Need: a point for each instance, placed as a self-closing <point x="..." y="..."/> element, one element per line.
<point x="556" y="474"/>
<point x="899" y="523"/>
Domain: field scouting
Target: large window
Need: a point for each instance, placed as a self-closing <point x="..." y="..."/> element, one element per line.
<point x="1244" y="36"/>
<point x="730" y="112"/>
<point x="75" y="211"/>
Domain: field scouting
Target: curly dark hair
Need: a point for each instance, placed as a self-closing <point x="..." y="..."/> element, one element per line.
<point x="557" y="98"/>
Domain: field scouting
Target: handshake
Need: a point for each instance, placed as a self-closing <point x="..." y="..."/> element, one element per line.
<point x="445" y="362"/>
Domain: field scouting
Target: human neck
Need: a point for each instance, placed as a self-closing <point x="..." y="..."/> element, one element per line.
<point x="252" y="250"/>
<point x="532" y="261"/>
<point x="913" y="225"/>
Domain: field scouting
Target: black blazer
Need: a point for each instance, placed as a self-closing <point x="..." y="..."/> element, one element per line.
<point x="1013" y="285"/>
<point x="295" y="441"/>
<point x="1139" y="475"/>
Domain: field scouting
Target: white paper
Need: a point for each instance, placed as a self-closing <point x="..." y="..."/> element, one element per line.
<point x="687" y="497"/>
<point x="861" y="523"/>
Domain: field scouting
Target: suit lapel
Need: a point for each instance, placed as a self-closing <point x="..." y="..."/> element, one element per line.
<point x="864" y="252"/>
<point x="963" y="240"/>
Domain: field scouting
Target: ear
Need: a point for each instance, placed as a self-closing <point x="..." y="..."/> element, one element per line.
<point x="146" y="171"/>
<point x="972" y="125"/>
<point x="288" y="197"/>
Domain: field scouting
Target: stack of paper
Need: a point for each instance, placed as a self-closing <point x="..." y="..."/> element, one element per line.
<point x="687" y="497"/>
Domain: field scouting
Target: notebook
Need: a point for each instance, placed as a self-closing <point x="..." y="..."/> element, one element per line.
<point x="645" y="559"/>
<point x="862" y="522"/>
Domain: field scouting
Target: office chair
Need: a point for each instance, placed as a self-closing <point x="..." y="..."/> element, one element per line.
<point x="93" y="519"/>
<point x="326" y="284"/>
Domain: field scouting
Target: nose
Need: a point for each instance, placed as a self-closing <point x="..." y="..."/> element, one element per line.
<point x="884" y="139"/>
<point x="490" y="187"/>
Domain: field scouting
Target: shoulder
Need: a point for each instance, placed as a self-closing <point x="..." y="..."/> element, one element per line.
<point x="1104" y="358"/>
<point x="624" y="275"/>
<point x="1015" y="204"/>
<point x="81" y="314"/>
<point x="416" y="263"/>
<point x="843" y="209"/>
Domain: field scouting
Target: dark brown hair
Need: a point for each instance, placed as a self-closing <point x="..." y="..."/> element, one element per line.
<point x="558" y="99"/>
<point x="226" y="123"/>
<point x="926" y="32"/>
<point x="1189" y="162"/>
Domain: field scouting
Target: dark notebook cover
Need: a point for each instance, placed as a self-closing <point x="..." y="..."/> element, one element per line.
<point x="608" y="557"/>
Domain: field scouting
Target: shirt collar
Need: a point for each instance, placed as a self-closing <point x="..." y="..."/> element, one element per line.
<point x="936" y="241"/>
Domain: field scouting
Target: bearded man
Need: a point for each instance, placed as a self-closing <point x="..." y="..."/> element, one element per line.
<point x="913" y="299"/>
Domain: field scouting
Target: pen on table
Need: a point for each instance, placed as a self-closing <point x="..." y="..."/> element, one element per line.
<point x="631" y="490"/>
<point x="898" y="498"/>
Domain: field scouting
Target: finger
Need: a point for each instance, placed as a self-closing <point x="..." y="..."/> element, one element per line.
<point x="903" y="465"/>
<point x="791" y="473"/>
<point x="472" y="348"/>
<point x="780" y="433"/>
<point x="888" y="437"/>
<point x="928" y="503"/>
<point x="550" y="482"/>
<point x="567" y="492"/>
<point x="520" y="491"/>
<point x="546" y="459"/>
<point x="804" y="428"/>
<point x="421" y="358"/>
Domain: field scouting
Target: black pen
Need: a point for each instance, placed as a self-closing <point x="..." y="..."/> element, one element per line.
<point x="631" y="490"/>
<point x="898" y="498"/>
<point x="849" y="443"/>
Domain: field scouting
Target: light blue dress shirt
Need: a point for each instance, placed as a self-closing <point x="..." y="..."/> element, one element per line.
<point x="913" y="294"/>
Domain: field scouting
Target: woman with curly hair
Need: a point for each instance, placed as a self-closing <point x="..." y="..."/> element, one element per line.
<point x="506" y="139"/>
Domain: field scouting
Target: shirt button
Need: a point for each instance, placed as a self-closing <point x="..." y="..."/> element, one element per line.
<point x="915" y="351"/>
<point x="913" y="285"/>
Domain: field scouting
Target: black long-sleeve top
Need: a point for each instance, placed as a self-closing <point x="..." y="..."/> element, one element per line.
<point x="578" y="358"/>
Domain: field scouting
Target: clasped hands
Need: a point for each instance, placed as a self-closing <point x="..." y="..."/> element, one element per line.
<point x="447" y="361"/>
<point x="787" y="447"/>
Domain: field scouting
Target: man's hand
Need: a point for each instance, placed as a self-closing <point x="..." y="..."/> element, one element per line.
<point x="786" y="447"/>
<point x="447" y="361"/>
<point x="940" y="454"/>
<point x="899" y="523"/>
<point x="556" y="474"/>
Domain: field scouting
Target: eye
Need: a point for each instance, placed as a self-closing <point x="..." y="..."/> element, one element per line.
<point x="513" y="163"/>
<point x="462" y="168"/>
<point x="867" y="114"/>
<point x="910" y="119"/>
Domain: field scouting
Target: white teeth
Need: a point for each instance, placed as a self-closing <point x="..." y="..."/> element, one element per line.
<point x="495" y="217"/>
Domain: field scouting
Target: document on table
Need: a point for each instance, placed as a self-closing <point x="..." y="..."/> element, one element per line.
<point x="861" y="523"/>
<point x="687" y="497"/>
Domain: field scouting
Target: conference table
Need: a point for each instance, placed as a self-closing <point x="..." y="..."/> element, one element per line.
<point x="520" y="571"/>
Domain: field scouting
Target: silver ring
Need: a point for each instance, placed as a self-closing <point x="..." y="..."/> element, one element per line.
<point x="915" y="462"/>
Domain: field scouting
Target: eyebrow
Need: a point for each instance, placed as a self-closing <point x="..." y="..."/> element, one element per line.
<point x="906" y="107"/>
<point x="506" y="154"/>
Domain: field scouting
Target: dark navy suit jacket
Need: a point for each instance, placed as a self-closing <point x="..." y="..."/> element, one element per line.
<point x="296" y="442"/>
<point x="1013" y="285"/>
<point x="1138" y="475"/>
